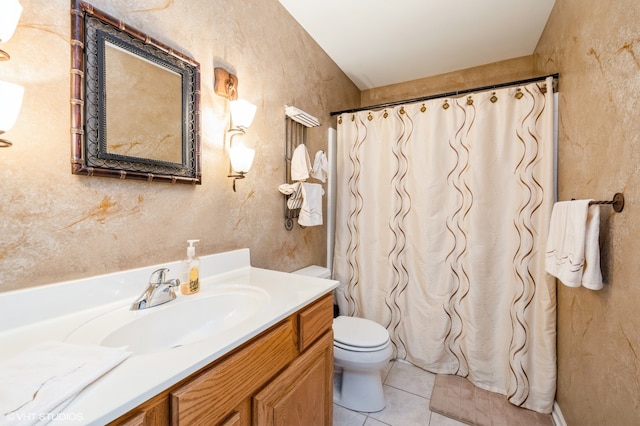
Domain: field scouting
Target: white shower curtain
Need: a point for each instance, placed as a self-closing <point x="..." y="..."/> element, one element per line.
<point x="442" y="214"/>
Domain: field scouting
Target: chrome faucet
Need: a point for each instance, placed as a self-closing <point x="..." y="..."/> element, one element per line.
<point x="158" y="292"/>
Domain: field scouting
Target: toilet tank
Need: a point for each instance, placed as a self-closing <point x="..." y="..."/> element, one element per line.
<point x="319" y="272"/>
<point x="314" y="271"/>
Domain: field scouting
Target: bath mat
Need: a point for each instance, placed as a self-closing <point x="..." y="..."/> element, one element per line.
<point x="459" y="399"/>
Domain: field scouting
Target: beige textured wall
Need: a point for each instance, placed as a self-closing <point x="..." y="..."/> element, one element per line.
<point x="57" y="226"/>
<point x="595" y="46"/>
<point x="485" y="75"/>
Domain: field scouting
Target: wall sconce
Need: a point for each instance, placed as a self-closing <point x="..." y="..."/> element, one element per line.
<point x="240" y="157"/>
<point x="10" y="103"/>
<point x="10" y="11"/>
<point x="225" y="84"/>
<point x="10" y="94"/>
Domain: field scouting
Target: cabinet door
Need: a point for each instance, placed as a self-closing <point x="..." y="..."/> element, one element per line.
<point x="302" y="395"/>
<point x="154" y="412"/>
<point x="212" y="396"/>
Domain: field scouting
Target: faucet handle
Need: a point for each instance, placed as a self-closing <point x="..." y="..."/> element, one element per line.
<point x="157" y="276"/>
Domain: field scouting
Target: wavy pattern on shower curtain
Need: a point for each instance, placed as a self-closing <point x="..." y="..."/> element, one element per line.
<point x="528" y="136"/>
<point x="455" y="226"/>
<point x="401" y="207"/>
<point x="353" y="182"/>
<point x="442" y="214"/>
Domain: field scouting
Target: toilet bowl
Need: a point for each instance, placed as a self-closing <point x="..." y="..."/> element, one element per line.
<point x="361" y="349"/>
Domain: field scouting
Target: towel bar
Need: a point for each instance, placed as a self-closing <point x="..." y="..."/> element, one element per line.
<point x="617" y="202"/>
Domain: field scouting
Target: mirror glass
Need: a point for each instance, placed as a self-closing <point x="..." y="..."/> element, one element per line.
<point x="135" y="112"/>
<point x="157" y="86"/>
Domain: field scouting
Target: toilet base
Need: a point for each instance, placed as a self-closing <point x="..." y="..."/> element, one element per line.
<point x="358" y="391"/>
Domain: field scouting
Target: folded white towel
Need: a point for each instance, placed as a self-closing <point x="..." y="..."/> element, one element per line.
<point x="39" y="383"/>
<point x="288" y="188"/>
<point x="300" y="163"/>
<point x="320" y="167"/>
<point x="572" y="254"/>
<point x="294" y="191"/>
<point x="311" y="210"/>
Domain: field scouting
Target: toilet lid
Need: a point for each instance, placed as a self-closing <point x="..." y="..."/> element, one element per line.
<point x="359" y="332"/>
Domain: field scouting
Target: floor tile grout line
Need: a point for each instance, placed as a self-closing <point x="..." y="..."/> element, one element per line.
<point x="428" y="398"/>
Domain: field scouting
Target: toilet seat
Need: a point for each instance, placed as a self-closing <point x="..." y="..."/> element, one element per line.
<point x="359" y="349"/>
<point x="359" y="334"/>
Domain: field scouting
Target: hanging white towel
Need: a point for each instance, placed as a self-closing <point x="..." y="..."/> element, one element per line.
<point x="572" y="254"/>
<point x="300" y="163"/>
<point x="320" y="166"/>
<point x="311" y="210"/>
<point x="39" y="383"/>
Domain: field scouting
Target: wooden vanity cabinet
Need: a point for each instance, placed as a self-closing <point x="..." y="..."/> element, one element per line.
<point x="301" y="394"/>
<point x="283" y="376"/>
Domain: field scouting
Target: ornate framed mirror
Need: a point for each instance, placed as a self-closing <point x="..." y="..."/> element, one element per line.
<point x="134" y="103"/>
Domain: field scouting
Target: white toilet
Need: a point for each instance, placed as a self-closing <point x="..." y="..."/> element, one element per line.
<point x="361" y="349"/>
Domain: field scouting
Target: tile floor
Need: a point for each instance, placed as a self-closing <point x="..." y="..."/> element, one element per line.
<point x="407" y="390"/>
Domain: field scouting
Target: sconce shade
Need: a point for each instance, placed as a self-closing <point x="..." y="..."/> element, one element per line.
<point x="10" y="11"/>
<point x="10" y="103"/>
<point x="241" y="158"/>
<point x="242" y="113"/>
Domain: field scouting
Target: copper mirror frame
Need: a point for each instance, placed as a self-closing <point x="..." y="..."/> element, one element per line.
<point x="119" y="129"/>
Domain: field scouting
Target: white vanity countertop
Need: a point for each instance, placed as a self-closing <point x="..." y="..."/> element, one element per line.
<point x="52" y="312"/>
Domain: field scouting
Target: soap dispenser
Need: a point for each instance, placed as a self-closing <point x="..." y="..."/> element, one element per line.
<point x="190" y="271"/>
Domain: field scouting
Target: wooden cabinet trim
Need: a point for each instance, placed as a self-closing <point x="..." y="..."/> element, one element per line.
<point x="136" y="420"/>
<point x="232" y="420"/>
<point x="154" y="411"/>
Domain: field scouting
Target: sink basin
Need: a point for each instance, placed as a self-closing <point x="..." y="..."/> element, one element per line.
<point x="186" y="320"/>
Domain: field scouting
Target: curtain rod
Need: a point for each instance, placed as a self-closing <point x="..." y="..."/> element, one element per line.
<point x="456" y="93"/>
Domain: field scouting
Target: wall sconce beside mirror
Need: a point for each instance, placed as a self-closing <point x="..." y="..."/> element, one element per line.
<point x="10" y="103"/>
<point x="240" y="157"/>
<point x="225" y="83"/>
<point x="10" y="11"/>
<point x="242" y="114"/>
<point x="10" y="94"/>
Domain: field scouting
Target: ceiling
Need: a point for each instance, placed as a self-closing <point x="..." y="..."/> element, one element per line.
<point x="382" y="42"/>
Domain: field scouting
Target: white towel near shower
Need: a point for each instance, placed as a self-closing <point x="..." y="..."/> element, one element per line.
<point x="300" y="163"/>
<point x="311" y="210"/>
<point x="320" y="167"/>
<point x="572" y="254"/>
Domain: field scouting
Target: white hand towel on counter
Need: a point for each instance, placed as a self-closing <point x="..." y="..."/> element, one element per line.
<point x="300" y="163"/>
<point x="320" y="167"/>
<point x="38" y="384"/>
<point x="311" y="210"/>
<point x="572" y="254"/>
